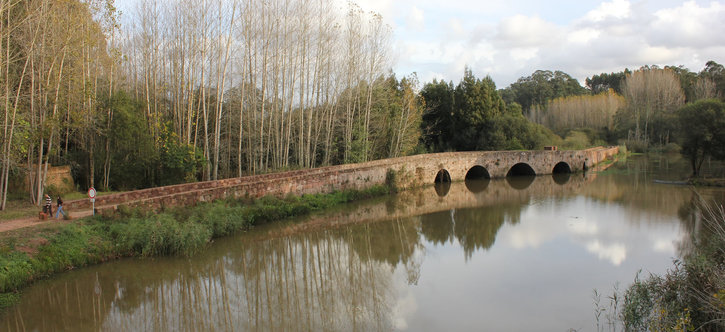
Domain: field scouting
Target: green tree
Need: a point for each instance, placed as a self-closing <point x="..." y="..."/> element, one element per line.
<point x="540" y="87"/>
<point x="134" y="155"/>
<point x="702" y="132"/>
<point x="715" y="72"/>
<point x="603" y="82"/>
<point x="475" y="103"/>
<point x="512" y="131"/>
<point x="473" y="116"/>
<point x="688" y="80"/>
<point x="436" y="124"/>
<point x="178" y="162"/>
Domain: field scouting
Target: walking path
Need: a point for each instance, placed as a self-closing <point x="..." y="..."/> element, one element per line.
<point x="10" y="225"/>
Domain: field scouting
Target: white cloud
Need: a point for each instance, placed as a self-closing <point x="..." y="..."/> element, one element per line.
<point x="664" y="245"/>
<point x="615" y="253"/>
<point x="617" y="9"/>
<point x="583" y="36"/>
<point x="514" y="38"/>
<point x="524" y="31"/>
<point x="524" y="53"/>
<point x="405" y="307"/>
<point x="688" y="25"/>
<point x="584" y="228"/>
<point x="416" y="19"/>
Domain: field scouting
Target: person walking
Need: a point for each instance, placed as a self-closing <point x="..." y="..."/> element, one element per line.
<point x="48" y="208"/>
<point x="60" y="208"/>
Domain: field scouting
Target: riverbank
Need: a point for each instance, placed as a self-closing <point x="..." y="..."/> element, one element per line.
<point x="30" y="254"/>
<point x="707" y="182"/>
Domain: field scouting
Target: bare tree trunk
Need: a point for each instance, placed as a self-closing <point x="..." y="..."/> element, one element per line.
<point x="9" y="137"/>
<point x="220" y="89"/>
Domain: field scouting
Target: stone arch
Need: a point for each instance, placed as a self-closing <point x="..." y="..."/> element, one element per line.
<point x="443" y="176"/>
<point x="477" y="179"/>
<point x="521" y="169"/>
<point x="561" y="167"/>
<point x="477" y="172"/>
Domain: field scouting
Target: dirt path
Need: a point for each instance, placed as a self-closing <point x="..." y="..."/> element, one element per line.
<point x="9" y="225"/>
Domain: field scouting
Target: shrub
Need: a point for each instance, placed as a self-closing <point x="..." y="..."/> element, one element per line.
<point x="671" y="148"/>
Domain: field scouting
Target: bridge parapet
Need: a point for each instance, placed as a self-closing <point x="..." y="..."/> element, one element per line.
<point x="410" y="171"/>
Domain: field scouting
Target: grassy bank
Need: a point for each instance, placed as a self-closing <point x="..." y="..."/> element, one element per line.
<point x="31" y="254"/>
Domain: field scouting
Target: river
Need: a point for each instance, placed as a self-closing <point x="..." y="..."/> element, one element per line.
<point x="522" y="254"/>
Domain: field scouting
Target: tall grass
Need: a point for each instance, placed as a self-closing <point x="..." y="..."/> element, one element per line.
<point x="133" y="233"/>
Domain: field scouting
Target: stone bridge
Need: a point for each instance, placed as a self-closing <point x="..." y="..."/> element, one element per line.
<point x="411" y="171"/>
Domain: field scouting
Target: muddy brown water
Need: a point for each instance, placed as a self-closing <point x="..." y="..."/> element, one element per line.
<point x="502" y="255"/>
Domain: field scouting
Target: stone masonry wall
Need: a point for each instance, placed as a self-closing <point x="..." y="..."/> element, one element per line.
<point x="411" y="171"/>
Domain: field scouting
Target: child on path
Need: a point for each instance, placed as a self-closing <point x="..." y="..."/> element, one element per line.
<point x="48" y="208"/>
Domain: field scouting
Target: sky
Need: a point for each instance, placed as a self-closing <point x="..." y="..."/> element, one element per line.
<point x="513" y="38"/>
<point x="510" y="39"/>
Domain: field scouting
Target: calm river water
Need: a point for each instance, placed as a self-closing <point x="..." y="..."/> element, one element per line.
<point x="500" y="255"/>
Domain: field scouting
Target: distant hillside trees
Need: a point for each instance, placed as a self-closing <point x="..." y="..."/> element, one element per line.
<point x="653" y="95"/>
<point x="473" y="116"/>
<point x="715" y="73"/>
<point x="577" y="112"/>
<point x="604" y="82"/>
<point x="540" y="87"/>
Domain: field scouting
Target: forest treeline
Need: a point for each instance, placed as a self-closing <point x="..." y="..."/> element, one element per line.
<point x="195" y="90"/>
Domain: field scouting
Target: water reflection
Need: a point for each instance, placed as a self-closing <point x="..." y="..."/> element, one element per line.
<point x="561" y="178"/>
<point x="489" y="254"/>
<point x="477" y="185"/>
<point x="442" y="188"/>
<point x="520" y="182"/>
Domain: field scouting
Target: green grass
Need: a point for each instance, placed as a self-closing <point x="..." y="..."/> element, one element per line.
<point x="28" y="255"/>
<point x="18" y="210"/>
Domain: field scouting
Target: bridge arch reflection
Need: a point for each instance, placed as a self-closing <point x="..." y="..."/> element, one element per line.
<point x="442" y="188"/>
<point x="477" y="185"/>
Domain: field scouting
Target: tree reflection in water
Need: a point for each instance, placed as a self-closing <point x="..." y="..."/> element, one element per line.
<point x="317" y="275"/>
<point x="335" y="271"/>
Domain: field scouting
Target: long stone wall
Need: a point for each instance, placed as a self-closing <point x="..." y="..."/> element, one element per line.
<point x="411" y="171"/>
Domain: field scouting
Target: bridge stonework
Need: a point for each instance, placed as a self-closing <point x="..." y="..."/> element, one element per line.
<point x="411" y="171"/>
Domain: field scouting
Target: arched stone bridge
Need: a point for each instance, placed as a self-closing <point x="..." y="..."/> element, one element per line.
<point x="411" y="171"/>
<point x="458" y="166"/>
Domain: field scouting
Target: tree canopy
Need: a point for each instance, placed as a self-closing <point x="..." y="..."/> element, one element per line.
<point x="603" y="82"/>
<point x="473" y="116"/>
<point x="540" y="87"/>
<point x="702" y="131"/>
